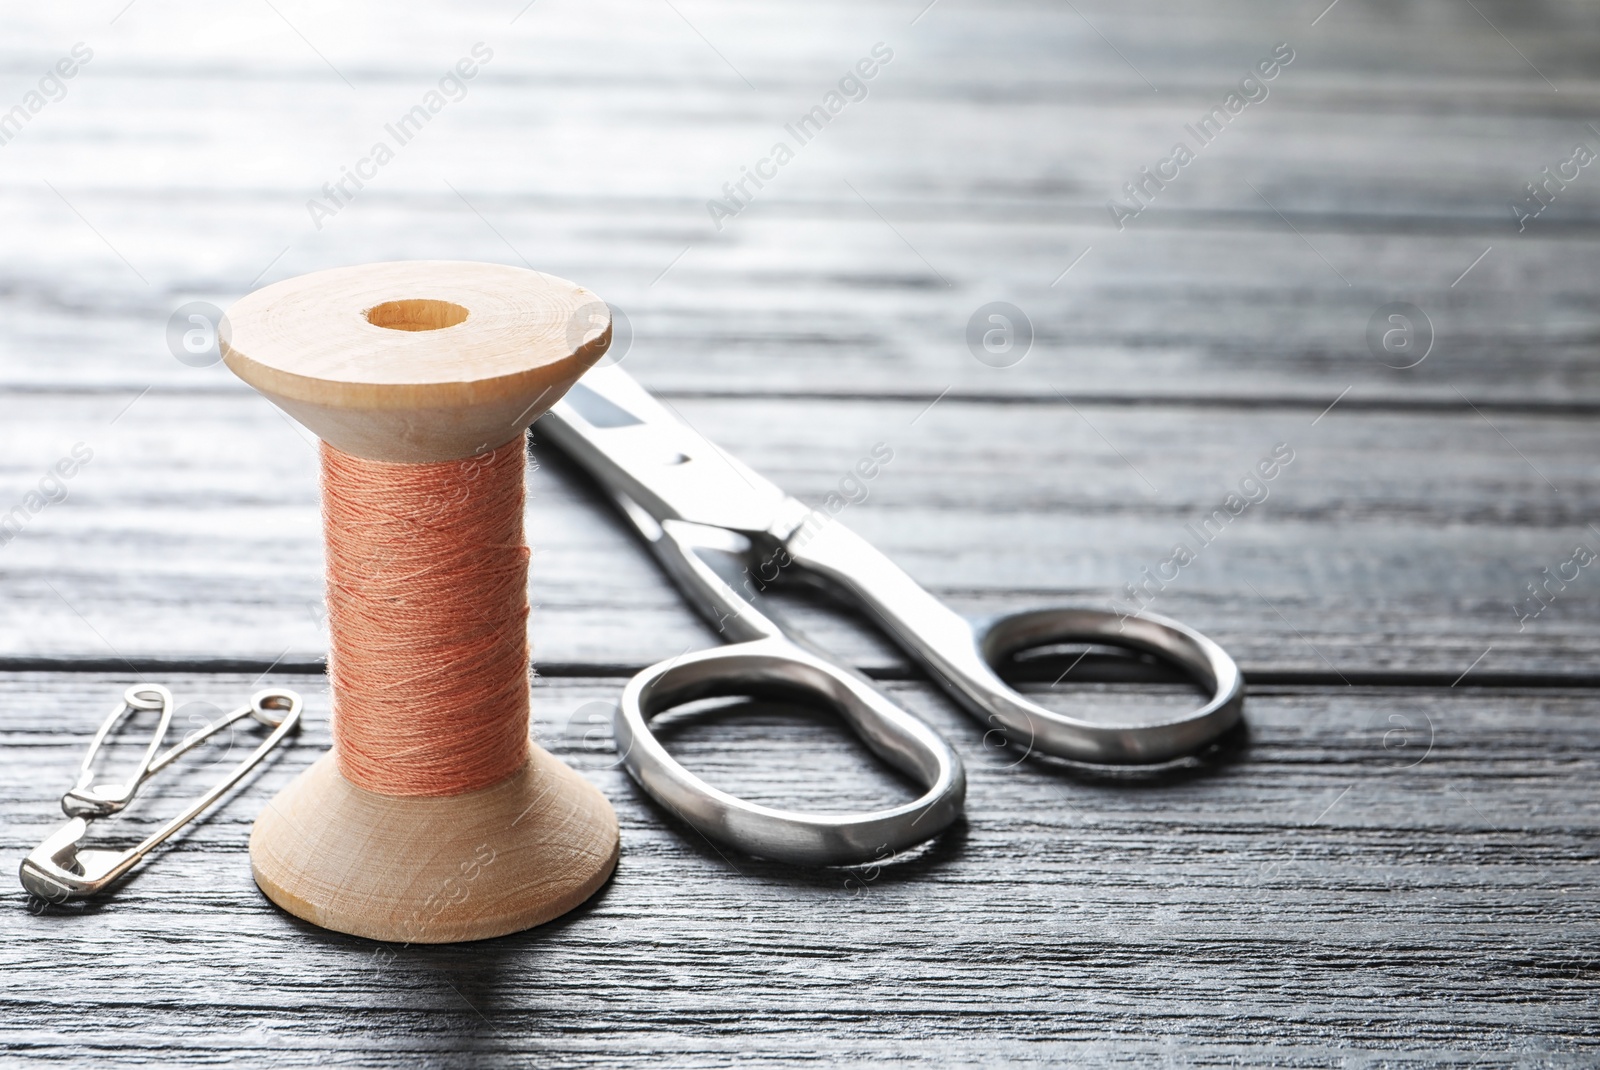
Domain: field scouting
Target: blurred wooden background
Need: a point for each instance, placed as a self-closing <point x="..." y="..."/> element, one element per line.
<point x="1395" y="865"/>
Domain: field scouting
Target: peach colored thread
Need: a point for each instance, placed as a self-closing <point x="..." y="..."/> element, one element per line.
<point x="427" y="615"/>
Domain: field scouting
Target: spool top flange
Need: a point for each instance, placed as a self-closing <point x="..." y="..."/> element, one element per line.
<point x="416" y="361"/>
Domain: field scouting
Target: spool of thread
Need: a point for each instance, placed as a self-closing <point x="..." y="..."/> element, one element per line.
<point x="434" y="818"/>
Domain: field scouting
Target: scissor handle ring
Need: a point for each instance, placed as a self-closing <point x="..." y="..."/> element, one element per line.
<point x="777" y="667"/>
<point x="961" y="656"/>
<point x="1027" y="723"/>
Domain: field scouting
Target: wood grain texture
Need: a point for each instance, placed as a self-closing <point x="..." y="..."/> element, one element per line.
<point x="434" y="870"/>
<point x="1394" y="541"/>
<point x="1398" y="876"/>
<point x="978" y="168"/>
<point x="416" y="361"/>
<point x="1316" y="897"/>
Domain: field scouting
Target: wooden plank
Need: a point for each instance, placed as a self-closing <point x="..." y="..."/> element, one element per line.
<point x="1376" y="874"/>
<point x="1395" y="183"/>
<point x="1394" y="542"/>
<point x="1230" y="309"/>
<point x="1400" y="875"/>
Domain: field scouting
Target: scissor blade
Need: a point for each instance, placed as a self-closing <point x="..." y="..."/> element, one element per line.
<point x="635" y="445"/>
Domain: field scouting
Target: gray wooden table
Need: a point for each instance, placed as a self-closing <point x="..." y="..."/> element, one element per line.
<point x="1395" y="864"/>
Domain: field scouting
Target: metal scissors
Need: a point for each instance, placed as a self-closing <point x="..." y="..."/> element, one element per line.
<point x="60" y="868"/>
<point x="714" y="525"/>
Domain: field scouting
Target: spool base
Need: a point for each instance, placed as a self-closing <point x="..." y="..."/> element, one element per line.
<point x="424" y="870"/>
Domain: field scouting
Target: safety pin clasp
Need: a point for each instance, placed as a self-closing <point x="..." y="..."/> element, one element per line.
<point x="88" y="799"/>
<point x="60" y="868"/>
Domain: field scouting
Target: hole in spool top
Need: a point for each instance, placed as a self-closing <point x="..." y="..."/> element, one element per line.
<point x="416" y="314"/>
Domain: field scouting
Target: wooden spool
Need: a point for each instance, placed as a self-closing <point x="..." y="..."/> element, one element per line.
<point x="420" y="362"/>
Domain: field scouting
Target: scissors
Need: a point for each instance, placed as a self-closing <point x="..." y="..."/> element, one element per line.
<point x="714" y="525"/>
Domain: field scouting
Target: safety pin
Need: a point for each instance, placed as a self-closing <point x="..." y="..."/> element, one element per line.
<point x="58" y="869"/>
<point x="87" y="799"/>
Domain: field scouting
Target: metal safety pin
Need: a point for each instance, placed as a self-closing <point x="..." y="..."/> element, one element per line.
<point x="59" y="869"/>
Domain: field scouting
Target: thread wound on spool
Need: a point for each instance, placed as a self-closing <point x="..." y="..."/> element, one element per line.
<point x="427" y="615"/>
